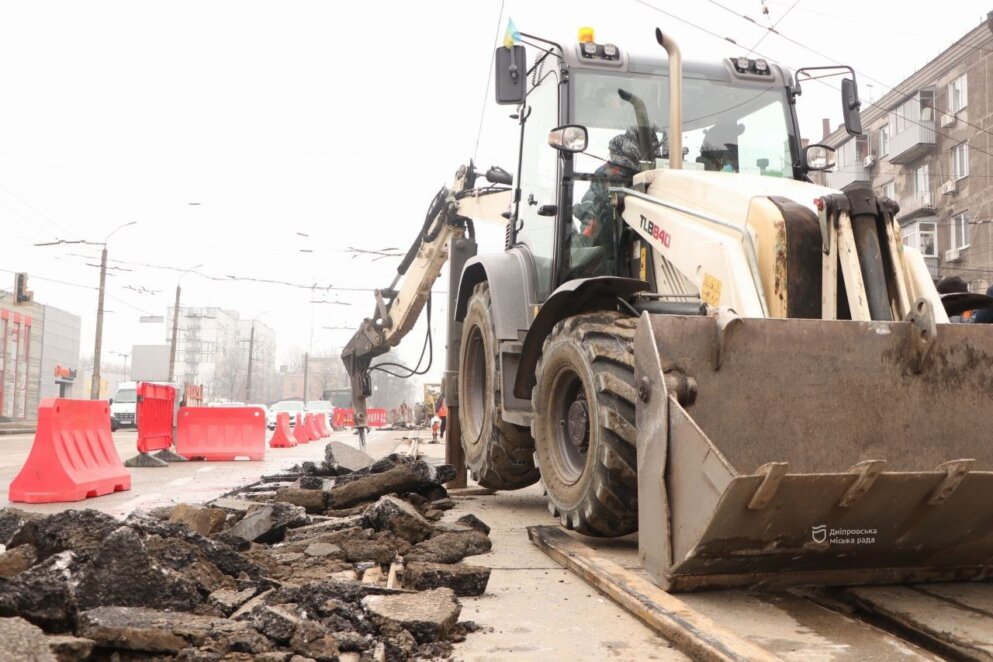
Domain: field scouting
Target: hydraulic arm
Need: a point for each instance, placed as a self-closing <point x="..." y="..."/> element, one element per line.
<point x="398" y="307"/>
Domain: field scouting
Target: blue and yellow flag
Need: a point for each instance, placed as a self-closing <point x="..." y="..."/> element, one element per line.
<point x="512" y="35"/>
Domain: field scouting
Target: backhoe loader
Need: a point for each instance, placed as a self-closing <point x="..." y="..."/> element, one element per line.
<point x="696" y="342"/>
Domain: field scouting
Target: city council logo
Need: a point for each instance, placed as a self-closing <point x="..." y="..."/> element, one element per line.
<point x="819" y="533"/>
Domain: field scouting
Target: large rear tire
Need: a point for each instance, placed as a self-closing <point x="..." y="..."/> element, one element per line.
<point x="499" y="455"/>
<point x="583" y="424"/>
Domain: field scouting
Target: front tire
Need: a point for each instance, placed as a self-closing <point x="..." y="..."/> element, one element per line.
<point x="499" y="455"/>
<point x="583" y="424"/>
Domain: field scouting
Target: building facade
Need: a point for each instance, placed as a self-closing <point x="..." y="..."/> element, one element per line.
<point x="927" y="144"/>
<point x="39" y="357"/>
<point x="212" y="350"/>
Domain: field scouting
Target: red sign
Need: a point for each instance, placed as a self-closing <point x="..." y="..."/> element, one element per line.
<point x="63" y="372"/>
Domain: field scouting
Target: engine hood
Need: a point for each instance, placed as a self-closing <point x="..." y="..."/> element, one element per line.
<point x="725" y="195"/>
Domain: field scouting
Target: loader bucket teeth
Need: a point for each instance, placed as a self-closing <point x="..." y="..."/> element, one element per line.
<point x="818" y="453"/>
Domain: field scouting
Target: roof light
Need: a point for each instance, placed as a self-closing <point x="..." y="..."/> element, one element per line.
<point x="589" y="49"/>
<point x="761" y="66"/>
<point x="609" y="50"/>
<point x="743" y="63"/>
<point x="586" y="35"/>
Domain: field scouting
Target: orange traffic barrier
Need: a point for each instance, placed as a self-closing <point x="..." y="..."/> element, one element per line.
<point x="300" y="431"/>
<point x="311" y="423"/>
<point x="322" y="425"/>
<point x="218" y="434"/>
<point x="73" y="455"/>
<point x="282" y="437"/>
<point x="343" y="418"/>
<point x="376" y="418"/>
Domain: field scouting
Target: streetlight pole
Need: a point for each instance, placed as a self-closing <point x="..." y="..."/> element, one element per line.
<point x="98" y="341"/>
<point x="175" y="326"/>
<point x="125" y="355"/>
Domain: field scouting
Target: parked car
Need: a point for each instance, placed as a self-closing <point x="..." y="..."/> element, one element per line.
<point x="291" y="407"/>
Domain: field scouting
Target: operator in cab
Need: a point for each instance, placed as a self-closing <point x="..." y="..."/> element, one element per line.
<point x="594" y="212"/>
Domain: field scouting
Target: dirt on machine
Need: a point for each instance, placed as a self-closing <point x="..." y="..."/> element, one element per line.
<point x="686" y="337"/>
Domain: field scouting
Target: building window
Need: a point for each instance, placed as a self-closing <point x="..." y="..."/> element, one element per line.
<point x="922" y="237"/>
<point x="884" y="141"/>
<point x="922" y="185"/>
<point x="960" y="231"/>
<point x="887" y="190"/>
<point x="960" y="160"/>
<point x="958" y="94"/>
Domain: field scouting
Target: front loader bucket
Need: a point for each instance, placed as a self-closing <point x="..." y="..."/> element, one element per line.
<point x="815" y="452"/>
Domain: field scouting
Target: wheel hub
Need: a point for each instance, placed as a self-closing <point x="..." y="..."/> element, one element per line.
<point x="578" y="425"/>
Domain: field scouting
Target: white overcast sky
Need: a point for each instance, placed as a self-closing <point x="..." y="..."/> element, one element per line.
<point x="338" y="120"/>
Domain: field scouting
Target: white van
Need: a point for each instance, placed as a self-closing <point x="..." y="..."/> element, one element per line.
<point x="122" y="405"/>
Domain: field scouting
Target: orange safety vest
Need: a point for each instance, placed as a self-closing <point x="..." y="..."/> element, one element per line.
<point x="443" y="410"/>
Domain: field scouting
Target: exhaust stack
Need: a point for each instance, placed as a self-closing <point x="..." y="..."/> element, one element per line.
<point x="675" y="99"/>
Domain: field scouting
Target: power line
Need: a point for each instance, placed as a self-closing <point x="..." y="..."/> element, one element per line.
<point x="831" y="59"/>
<point x="85" y="287"/>
<point x="773" y="27"/>
<point x="35" y="210"/>
<point x="822" y="82"/>
<point x="489" y="77"/>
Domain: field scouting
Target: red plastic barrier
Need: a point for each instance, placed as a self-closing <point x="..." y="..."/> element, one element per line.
<point x="73" y="456"/>
<point x="282" y="437"/>
<point x="310" y="421"/>
<point x="153" y="416"/>
<point x="343" y="418"/>
<point x="322" y="425"/>
<point x="300" y="431"/>
<point x="376" y="418"/>
<point x="217" y="434"/>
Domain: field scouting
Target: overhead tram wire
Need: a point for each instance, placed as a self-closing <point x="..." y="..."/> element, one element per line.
<point x="489" y="77"/>
<point x="824" y="83"/>
<point x="772" y="30"/>
<point x="85" y="287"/>
<point x="27" y="204"/>
<point x="773" y="27"/>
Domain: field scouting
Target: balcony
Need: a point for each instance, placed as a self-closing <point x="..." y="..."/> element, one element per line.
<point x="849" y="176"/>
<point x="916" y="140"/>
<point x="915" y="205"/>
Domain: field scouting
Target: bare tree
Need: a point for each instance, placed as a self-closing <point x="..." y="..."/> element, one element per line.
<point x="228" y="375"/>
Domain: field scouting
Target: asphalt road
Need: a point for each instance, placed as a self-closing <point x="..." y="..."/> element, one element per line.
<point x="533" y="609"/>
<point x="192" y="482"/>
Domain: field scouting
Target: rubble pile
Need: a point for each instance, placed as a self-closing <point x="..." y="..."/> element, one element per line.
<point x="340" y="560"/>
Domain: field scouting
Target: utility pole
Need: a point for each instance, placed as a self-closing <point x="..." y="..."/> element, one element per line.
<point x="98" y="342"/>
<point x="175" y="332"/>
<point x="175" y="325"/>
<point x="248" y="378"/>
<point x="306" y="374"/>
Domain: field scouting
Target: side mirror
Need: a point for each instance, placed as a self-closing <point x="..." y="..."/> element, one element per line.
<point x="111" y="401"/>
<point x="570" y="138"/>
<point x="497" y="175"/>
<point x="818" y="157"/>
<point x="510" y="79"/>
<point x="850" y="105"/>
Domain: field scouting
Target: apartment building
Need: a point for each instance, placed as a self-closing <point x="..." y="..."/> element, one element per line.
<point x="928" y="145"/>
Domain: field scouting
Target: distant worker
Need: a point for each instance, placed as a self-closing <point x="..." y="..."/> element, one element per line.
<point x="435" y="427"/>
<point x="443" y="415"/>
